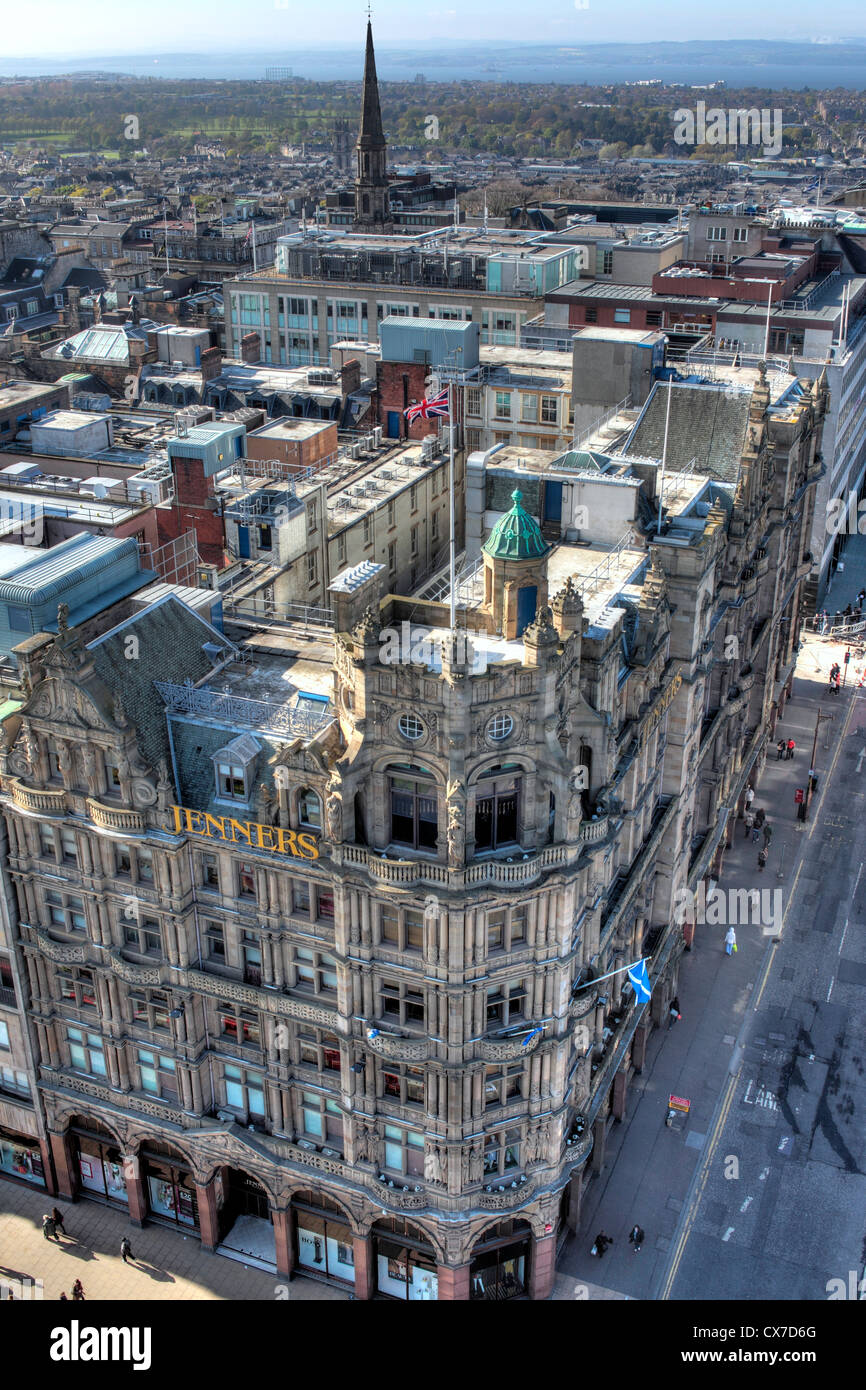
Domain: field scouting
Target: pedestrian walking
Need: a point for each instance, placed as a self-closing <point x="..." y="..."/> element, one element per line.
<point x="48" y="1228"/>
<point x="636" y="1237"/>
<point x="730" y="941"/>
<point x="762" y="859"/>
<point x="760" y="817"/>
<point x="674" y="1014"/>
<point x="789" y="747"/>
<point x="838" y="685"/>
<point x="780" y="750"/>
<point x="748" y="821"/>
<point x="756" y="834"/>
<point x="750" y="796"/>
<point x="63" y="1297"/>
<point x="768" y="835"/>
<point x="126" y="1250"/>
<point x="601" y="1243"/>
<point x="78" y="1292"/>
<point x="57" y="1218"/>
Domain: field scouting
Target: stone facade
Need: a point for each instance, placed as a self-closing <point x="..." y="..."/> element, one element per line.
<point x="368" y="998"/>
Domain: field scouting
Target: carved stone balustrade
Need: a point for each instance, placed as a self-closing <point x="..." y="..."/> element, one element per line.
<point x="115" y="817"/>
<point x="505" y="1049"/>
<point x="399" y="1049"/>
<point x="32" y="799"/>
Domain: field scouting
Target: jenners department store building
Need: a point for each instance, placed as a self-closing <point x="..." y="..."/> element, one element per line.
<point x="307" y="941"/>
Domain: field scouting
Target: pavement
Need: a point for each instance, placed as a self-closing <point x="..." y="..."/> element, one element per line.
<point x="169" y="1265"/>
<point x="848" y="579"/>
<point x="761" y="1191"/>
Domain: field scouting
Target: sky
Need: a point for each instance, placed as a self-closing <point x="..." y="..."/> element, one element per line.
<point x="54" y="28"/>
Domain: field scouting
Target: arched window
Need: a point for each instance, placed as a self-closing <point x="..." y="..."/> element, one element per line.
<point x="414" y="806"/>
<point x="309" y="809"/>
<point x="497" y="807"/>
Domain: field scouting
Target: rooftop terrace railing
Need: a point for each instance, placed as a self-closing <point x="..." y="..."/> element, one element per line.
<point x="240" y="712"/>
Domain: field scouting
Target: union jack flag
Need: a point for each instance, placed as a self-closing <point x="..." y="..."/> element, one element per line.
<point x="437" y="405"/>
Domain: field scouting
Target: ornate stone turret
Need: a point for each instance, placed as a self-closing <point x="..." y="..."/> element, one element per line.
<point x="515" y="570"/>
<point x="568" y="609"/>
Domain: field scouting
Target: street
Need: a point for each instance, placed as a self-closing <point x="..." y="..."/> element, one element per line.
<point x="761" y="1193"/>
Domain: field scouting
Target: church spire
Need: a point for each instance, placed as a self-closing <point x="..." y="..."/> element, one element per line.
<point x="372" y="210"/>
<point x="370" y="135"/>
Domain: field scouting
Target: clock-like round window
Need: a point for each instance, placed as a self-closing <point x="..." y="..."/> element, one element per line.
<point x="500" y="727"/>
<point x="410" y="726"/>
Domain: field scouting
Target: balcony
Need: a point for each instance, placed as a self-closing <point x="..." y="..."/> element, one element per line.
<point x="503" y="1196"/>
<point x="399" y="1049"/>
<point x="115" y="818"/>
<point x="520" y="867"/>
<point x="506" y="1049"/>
<point x="392" y="1192"/>
<point x="52" y="803"/>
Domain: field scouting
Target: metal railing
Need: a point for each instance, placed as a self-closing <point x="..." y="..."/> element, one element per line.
<point x="237" y="710"/>
<point x="289" y="614"/>
<point x="602" y="420"/>
<point x="588" y="583"/>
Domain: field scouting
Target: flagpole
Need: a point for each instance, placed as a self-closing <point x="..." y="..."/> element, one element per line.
<point x="253" y="225"/>
<point x="609" y="976"/>
<point x="452" y="558"/>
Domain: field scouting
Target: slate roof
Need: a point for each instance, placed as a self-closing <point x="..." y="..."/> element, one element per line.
<point x="707" y="429"/>
<point x="170" y="641"/>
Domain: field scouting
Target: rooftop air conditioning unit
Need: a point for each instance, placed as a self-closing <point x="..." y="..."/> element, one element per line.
<point x="377" y="437"/>
<point x="428" y="446"/>
<point x="355" y="451"/>
<point x="368" y="441"/>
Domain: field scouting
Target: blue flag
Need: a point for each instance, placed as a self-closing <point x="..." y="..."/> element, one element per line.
<point x="639" y="980"/>
<point x="534" y="1034"/>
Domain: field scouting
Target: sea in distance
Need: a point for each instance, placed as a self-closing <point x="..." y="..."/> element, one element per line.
<point x="739" y="63"/>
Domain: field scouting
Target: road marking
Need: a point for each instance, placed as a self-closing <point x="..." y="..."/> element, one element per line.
<point x="764" y="1175"/>
<point x="728" y="1233"/>
<point x="860" y="759"/>
<point x="830" y="989"/>
<point x="828" y="775"/>
<point x="746" y="1203"/>
<point x="733" y="1076"/>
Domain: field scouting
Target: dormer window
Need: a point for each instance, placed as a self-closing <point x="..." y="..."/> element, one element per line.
<point x="310" y="809"/>
<point x="234" y="769"/>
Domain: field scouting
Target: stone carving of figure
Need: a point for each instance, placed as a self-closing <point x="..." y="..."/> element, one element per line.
<point x="90" y="762"/>
<point x="364" y="1144"/>
<point x="433" y="1165"/>
<point x="334" y="813"/>
<point x="476" y="1163"/>
<point x="62" y="619"/>
<point x="265" y="804"/>
<point x="120" y="718"/>
<point x="64" y="759"/>
<point x="164" y="789"/>
<point x="455" y="823"/>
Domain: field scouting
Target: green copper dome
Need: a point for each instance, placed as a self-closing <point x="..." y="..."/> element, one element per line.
<point x="516" y="535"/>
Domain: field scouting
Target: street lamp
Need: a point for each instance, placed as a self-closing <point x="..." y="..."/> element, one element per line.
<point x="822" y="718"/>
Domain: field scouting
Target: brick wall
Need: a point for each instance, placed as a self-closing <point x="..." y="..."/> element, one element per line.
<point x="399" y="384"/>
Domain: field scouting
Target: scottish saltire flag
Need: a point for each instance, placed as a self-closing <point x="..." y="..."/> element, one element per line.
<point x="639" y="981"/>
<point x="437" y="405"/>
